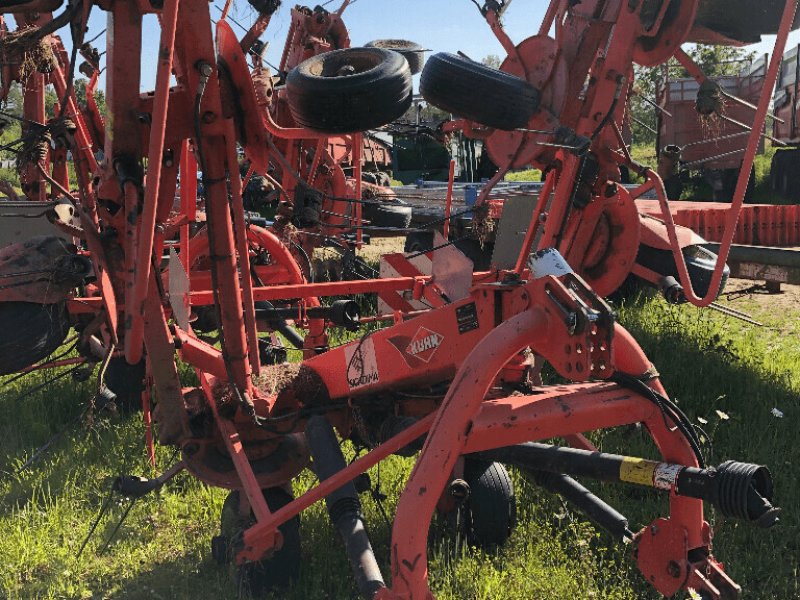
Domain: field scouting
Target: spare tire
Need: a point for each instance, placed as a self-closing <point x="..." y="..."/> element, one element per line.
<point x="396" y="215"/>
<point x="411" y="51"/>
<point x="478" y="93"/>
<point x="350" y="90"/>
<point x="30" y="333"/>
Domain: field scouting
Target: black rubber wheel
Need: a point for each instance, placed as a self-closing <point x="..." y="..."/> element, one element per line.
<point x="275" y="572"/>
<point x="674" y="187"/>
<point x="30" y="332"/>
<point x="730" y="178"/>
<point x="492" y="505"/>
<point x="699" y="262"/>
<point x="396" y="215"/>
<point x="127" y="383"/>
<point x="350" y="90"/>
<point x="477" y="92"/>
<point x="481" y="257"/>
<point x="411" y="51"/>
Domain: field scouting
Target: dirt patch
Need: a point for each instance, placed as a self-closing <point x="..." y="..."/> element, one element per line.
<point x="751" y="293"/>
<point x="292" y="384"/>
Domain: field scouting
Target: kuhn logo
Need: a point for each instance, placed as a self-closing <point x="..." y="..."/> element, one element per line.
<point x="424" y="344"/>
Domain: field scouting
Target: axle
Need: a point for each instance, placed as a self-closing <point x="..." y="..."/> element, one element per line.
<point x="738" y="490"/>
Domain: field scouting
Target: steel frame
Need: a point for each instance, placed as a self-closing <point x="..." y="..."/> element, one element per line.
<point x="555" y="314"/>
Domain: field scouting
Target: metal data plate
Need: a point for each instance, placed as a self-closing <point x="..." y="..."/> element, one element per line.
<point x="517" y="213"/>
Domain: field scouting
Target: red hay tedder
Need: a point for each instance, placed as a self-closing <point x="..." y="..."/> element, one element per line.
<point x="455" y="383"/>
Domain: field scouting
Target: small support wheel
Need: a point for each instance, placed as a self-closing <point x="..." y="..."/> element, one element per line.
<point x="277" y="571"/>
<point x="492" y="506"/>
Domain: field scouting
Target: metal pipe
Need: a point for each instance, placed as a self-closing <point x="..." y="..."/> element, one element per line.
<point x="778" y="257"/>
<point x="738" y="490"/>
<point x="135" y="335"/>
<point x="344" y="506"/>
<point x="448" y="205"/>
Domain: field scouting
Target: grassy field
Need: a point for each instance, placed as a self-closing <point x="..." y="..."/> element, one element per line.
<point x="728" y="374"/>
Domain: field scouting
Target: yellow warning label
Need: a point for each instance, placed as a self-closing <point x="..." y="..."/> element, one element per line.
<point x="637" y="470"/>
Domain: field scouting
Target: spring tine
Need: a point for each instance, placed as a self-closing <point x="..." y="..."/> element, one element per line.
<point x="735" y="314"/>
<point x="744" y="102"/>
<point x="103" y="510"/>
<point x="748" y="128"/>
<point x="116" y="528"/>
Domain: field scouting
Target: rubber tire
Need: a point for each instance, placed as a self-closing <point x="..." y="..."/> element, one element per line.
<point x="30" y="332"/>
<point x="674" y="187"/>
<point x="481" y="257"/>
<point x="381" y="92"/>
<point x="700" y="268"/>
<point x="477" y="92"/>
<point x="411" y="51"/>
<point x="127" y="383"/>
<point x="396" y="215"/>
<point x="492" y="505"/>
<point x="279" y="570"/>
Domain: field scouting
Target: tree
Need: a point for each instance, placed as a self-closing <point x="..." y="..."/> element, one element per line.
<point x="713" y="60"/>
<point x="492" y="61"/>
<point x="99" y="95"/>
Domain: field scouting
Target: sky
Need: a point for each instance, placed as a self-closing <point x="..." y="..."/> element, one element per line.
<point x="439" y="25"/>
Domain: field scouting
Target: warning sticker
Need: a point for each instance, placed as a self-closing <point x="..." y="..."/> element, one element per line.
<point x="637" y="470"/>
<point x="666" y="476"/>
<point x="361" y="364"/>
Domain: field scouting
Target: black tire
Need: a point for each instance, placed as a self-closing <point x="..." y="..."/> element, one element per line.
<point x="492" y="505"/>
<point x="323" y="97"/>
<point x="30" y="332"/>
<point x="275" y="572"/>
<point x="418" y="241"/>
<point x="396" y="215"/>
<point x="699" y="262"/>
<point x="730" y="179"/>
<point x="674" y="187"/>
<point x="127" y="383"/>
<point x="477" y="92"/>
<point x="411" y="51"/>
<point x="481" y="257"/>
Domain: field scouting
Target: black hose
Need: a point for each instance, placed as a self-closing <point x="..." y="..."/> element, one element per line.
<point x="344" y="506"/>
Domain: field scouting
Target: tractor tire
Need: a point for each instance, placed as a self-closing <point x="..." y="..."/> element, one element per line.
<point x="349" y="90"/>
<point x="478" y="93"/>
<point x="127" y="383"/>
<point x="394" y="215"/>
<point x="411" y="51"/>
<point x="269" y="574"/>
<point x="674" y="187"/>
<point x="492" y="505"/>
<point x="30" y="332"/>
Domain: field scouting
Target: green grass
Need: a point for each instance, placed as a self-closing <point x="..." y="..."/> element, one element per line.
<point x="708" y="363"/>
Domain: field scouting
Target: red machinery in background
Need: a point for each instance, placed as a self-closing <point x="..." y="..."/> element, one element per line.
<point x="459" y="372"/>
<point x="703" y="126"/>
<point x="785" y="175"/>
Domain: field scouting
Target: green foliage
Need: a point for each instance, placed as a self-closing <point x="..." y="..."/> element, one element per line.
<point x="492" y="60"/>
<point x="526" y="175"/>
